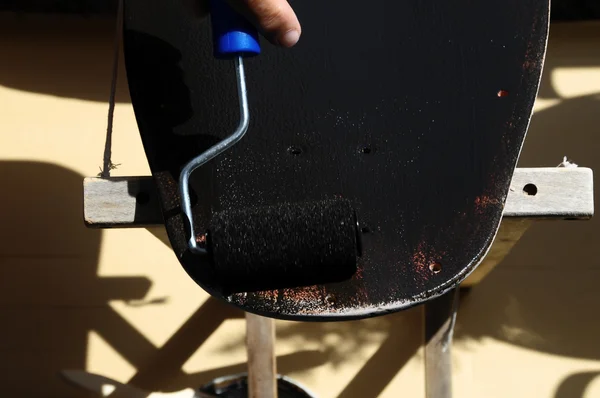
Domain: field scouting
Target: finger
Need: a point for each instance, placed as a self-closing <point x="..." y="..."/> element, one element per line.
<point x="274" y="18"/>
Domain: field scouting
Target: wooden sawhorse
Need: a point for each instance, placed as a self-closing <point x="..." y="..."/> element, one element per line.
<point x="536" y="194"/>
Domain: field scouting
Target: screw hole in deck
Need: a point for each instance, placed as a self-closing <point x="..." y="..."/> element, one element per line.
<point x="530" y="190"/>
<point x="294" y="150"/>
<point x="366" y="150"/>
<point x="436" y="267"/>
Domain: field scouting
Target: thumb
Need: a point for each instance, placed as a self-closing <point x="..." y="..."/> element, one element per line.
<point x="276" y="19"/>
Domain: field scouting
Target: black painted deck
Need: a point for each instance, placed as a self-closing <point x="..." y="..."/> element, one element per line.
<point x="415" y="110"/>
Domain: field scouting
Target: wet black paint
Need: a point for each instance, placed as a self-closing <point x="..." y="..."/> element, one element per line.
<point x="392" y="105"/>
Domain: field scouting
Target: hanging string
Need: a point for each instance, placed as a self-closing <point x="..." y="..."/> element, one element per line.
<point x="107" y="164"/>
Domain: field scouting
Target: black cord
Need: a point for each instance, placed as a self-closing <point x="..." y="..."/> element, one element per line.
<point x="107" y="164"/>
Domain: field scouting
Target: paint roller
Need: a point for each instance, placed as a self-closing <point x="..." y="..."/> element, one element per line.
<point x="268" y="247"/>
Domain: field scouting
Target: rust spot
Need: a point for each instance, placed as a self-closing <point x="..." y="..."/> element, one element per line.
<point x="529" y="65"/>
<point x="484" y="201"/>
<point x="502" y="93"/>
<point x="421" y="262"/>
<point x="305" y="294"/>
<point x="358" y="274"/>
<point x="424" y="258"/>
<point x="270" y="295"/>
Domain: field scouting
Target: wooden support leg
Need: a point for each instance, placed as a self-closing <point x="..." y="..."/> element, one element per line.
<point x="262" y="369"/>
<point x="440" y="317"/>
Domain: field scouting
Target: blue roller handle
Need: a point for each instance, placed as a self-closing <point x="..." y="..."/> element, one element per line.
<point x="233" y="35"/>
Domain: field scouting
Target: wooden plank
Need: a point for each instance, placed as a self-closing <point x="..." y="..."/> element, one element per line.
<point x="563" y="193"/>
<point x="121" y="202"/>
<point x="260" y="345"/>
<point x="553" y="193"/>
<point x="556" y="192"/>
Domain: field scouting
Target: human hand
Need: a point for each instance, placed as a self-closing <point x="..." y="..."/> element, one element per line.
<point x="275" y="19"/>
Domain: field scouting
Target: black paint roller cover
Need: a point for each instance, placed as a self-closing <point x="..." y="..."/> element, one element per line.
<point x="286" y="245"/>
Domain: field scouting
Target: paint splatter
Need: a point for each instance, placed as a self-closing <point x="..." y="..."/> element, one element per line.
<point x="310" y="300"/>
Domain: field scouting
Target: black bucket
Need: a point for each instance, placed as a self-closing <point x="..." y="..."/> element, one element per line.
<point x="236" y="386"/>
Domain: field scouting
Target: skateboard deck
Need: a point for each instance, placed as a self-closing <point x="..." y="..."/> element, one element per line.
<point x="416" y="111"/>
